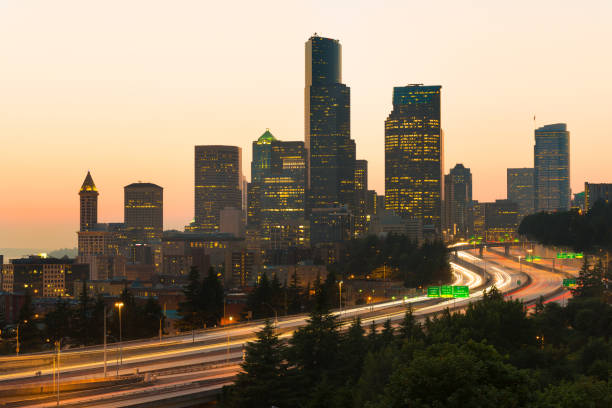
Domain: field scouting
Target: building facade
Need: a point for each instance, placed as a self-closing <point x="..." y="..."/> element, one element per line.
<point x="457" y="201"/>
<point x="362" y="208"/>
<point x="277" y="209"/>
<point x="218" y="184"/>
<point x="143" y="212"/>
<point x="413" y="156"/>
<point x="595" y="192"/>
<point x="330" y="149"/>
<point x="552" y="168"/>
<point x="520" y="189"/>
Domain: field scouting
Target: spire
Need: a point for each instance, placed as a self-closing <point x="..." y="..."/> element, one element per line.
<point x="88" y="184"/>
<point x="266" y="138"/>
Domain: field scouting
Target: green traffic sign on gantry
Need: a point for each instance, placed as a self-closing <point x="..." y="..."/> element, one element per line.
<point x="446" y="291"/>
<point x="568" y="283"/>
<point x="433" y="291"/>
<point x="461" y="291"/>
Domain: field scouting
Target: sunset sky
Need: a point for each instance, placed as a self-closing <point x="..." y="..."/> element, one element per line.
<point x="127" y="88"/>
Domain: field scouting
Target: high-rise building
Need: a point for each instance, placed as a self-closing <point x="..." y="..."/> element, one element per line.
<point x="361" y="198"/>
<point x="278" y="192"/>
<point x="218" y="184"/>
<point x="88" y="197"/>
<point x="595" y="192"/>
<point x="97" y="246"/>
<point x="143" y="212"/>
<point x="413" y="155"/>
<point x="457" y="200"/>
<point x="520" y="189"/>
<point x="331" y="151"/>
<point x="552" y="168"/>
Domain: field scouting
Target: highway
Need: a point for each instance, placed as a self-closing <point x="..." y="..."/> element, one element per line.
<point x="209" y="358"/>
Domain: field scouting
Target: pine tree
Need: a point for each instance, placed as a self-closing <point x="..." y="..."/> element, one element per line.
<point x="212" y="298"/>
<point x="410" y="329"/>
<point x="262" y="383"/>
<point x="590" y="281"/>
<point x="191" y="309"/>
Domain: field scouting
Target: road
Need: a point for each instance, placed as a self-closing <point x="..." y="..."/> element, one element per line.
<point x="205" y="349"/>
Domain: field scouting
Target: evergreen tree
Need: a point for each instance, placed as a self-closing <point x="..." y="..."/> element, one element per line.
<point x="57" y="322"/>
<point x="590" y="281"/>
<point x="410" y="329"/>
<point x="262" y="382"/>
<point x="212" y="299"/>
<point x="191" y="309"/>
<point x="314" y="347"/>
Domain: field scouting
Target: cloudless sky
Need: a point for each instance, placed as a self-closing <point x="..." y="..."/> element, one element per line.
<point x="127" y="88"/>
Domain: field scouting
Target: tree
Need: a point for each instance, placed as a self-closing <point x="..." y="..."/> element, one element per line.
<point x="471" y="375"/>
<point x="410" y="329"/>
<point x="212" y="299"/>
<point x="82" y="327"/>
<point x="57" y="321"/>
<point x="314" y="347"/>
<point x="353" y="348"/>
<point x="191" y="309"/>
<point x="590" y="281"/>
<point x="29" y="335"/>
<point x="262" y="382"/>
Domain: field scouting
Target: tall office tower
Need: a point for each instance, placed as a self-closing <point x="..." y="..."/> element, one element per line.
<point x="413" y="155"/>
<point x="457" y="200"/>
<point x="361" y="198"/>
<point x="143" y="212"/>
<point x="520" y="189"/>
<point x="218" y="184"/>
<point x="551" y="168"/>
<point x="331" y="152"/>
<point x="278" y="192"/>
<point x="88" y="197"/>
<point x="595" y="192"/>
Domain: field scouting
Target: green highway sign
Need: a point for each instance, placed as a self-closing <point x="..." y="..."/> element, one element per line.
<point x="568" y="283"/>
<point x="461" y="291"/>
<point x="446" y="291"/>
<point x="570" y="255"/>
<point x="433" y="291"/>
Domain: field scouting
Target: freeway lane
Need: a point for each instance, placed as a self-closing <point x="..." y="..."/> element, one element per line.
<point x="504" y="275"/>
<point x="146" y="354"/>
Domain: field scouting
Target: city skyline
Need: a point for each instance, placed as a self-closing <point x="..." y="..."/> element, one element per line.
<point x="51" y="124"/>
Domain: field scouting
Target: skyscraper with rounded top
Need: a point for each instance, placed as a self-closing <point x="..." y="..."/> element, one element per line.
<point x="327" y="122"/>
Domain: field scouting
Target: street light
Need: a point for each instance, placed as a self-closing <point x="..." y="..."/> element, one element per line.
<point x="17" y="345"/>
<point x="119" y="305"/>
<point x="340" y="295"/>
<point x="231" y="318"/>
<point x="58" y="346"/>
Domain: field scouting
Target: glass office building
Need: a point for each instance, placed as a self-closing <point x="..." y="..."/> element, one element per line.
<point x="413" y="156"/>
<point x="551" y="168"/>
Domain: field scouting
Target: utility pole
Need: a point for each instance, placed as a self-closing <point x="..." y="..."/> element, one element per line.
<point x="58" y="345"/>
<point x="104" y="340"/>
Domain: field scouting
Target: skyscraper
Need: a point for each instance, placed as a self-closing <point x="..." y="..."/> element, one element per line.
<point x="413" y="155"/>
<point x="520" y="189"/>
<point x="143" y="212"/>
<point x="278" y="192"/>
<point x="218" y="184"/>
<point x="595" y="192"/>
<point x="457" y="200"/>
<point x="331" y="151"/>
<point x="551" y="168"/>
<point x="88" y="197"/>
<point x="361" y="198"/>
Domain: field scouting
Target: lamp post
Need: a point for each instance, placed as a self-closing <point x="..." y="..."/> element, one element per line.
<point x="340" y="295"/>
<point x="119" y="305"/>
<point x="105" y="340"/>
<point x="58" y="346"/>
<point x="17" y="343"/>
<point x="231" y="318"/>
